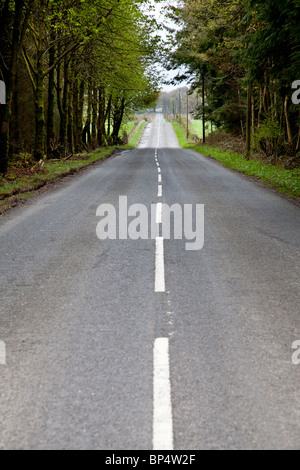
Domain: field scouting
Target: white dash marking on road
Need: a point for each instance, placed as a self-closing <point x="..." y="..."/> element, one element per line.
<point x="159" y="265"/>
<point x="159" y="170"/>
<point x="158" y="213"/>
<point x="162" y="405"/>
<point x="159" y="192"/>
<point x="159" y="178"/>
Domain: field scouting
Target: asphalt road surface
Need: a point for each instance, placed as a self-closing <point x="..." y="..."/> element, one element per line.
<point x="140" y="344"/>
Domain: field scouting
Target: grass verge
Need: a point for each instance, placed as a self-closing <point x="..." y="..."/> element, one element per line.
<point x="136" y="135"/>
<point x="20" y="184"/>
<point x="285" y="181"/>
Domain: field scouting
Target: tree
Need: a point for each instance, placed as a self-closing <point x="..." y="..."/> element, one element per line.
<point x="84" y="60"/>
<point x="13" y="18"/>
<point x="248" y="52"/>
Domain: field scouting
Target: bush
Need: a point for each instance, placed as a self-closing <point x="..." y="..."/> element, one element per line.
<point x="269" y="138"/>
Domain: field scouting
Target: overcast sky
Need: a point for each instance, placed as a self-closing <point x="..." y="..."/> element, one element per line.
<point x="161" y="19"/>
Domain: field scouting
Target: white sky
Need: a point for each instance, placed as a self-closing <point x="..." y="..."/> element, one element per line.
<point x="161" y="19"/>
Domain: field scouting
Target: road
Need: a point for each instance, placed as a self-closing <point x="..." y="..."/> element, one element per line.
<point x="124" y="344"/>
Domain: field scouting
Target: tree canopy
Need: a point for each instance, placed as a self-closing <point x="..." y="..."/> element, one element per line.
<point x="72" y="70"/>
<point x="246" y="55"/>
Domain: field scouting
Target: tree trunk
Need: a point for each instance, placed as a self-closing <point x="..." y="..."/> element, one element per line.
<point x="10" y="77"/>
<point x="252" y="111"/>
<point x="203" y="106"/>
<point x="40" y="130"/>
<point x="80" y="116"/>
<point x="51" y="99"/>
<point x="108" y="117"/>
<point x="287" y="120"/>
<point x="117" y="119"/>
<point x="86" y="133"/>
<point x="75" y="107"/>
<point x="64" y="108"/>
<point x="39" y="145"/>
<point x="78" y="97"/>
<point x="14" y="127"/>
<point x="259" y="116"/>
<point x="179" y="107"/>
<point x="267" y="99"/>
<point x="187" y="115"/>
<point x="241" y="120"/>
<point x="248" y="122"/>
<point x="59" y="101"/>
<point x="5" y="114"/>
<point x="298" y="141"/>
<point x="94" y="118"/>
<point x="70" y="112"/>
<point x="101" y="117"/>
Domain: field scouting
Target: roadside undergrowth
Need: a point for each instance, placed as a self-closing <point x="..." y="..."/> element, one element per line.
<point x="283" y="180"/>
<point x="21" y="183"/>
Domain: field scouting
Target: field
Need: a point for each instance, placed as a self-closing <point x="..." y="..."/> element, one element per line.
<point x="196" y="125"/>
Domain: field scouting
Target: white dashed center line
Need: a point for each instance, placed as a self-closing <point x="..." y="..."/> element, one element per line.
<point x="162" y="407"/>
<point x="159" y="266"/>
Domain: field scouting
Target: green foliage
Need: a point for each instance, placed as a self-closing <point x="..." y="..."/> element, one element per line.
<point x="269" y="138"/>
<point x="197" y="127"/>
<point x="273" y="37"/>
<point x="285" y="181"/>
<point x="237" y="46"/>
<point x="88" y="60"/>
<point x="22" y="181"/>
<point x="135" y="137"/>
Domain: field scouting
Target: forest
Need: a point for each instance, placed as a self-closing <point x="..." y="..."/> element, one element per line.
<point x="72" y="71"/>
<point x="243" y="59"/>
<point x="75" y="70"/>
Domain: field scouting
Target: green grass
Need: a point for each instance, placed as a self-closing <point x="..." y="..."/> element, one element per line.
<point x="17" y="185"/>
<point x="197" y="127"/>
<point x="285" y="181"/>
<point x="16" y="182"/>
<point x="135" y="137"/>
<point x="128" y="127"/>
